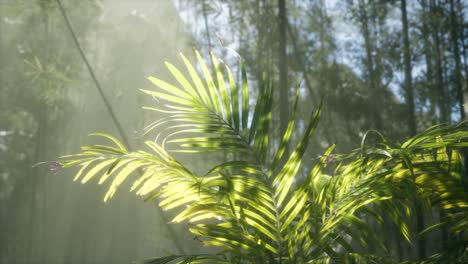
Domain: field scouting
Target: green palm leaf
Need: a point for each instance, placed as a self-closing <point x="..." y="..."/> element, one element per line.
<point x="254" y="207"/>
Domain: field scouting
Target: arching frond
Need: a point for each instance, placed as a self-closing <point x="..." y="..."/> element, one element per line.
<point x="208" y="106"/>
<point x="254" y="207"/>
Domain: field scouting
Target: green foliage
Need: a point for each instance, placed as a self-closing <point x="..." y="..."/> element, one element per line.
<point x="255" y="207"/>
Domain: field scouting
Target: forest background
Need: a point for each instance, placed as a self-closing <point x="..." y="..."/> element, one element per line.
<point x="394" y="66"/>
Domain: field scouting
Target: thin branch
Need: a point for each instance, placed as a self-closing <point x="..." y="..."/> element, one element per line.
<point x="93" y="76"/>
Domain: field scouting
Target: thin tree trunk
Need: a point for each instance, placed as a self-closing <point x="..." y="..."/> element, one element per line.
<point x="260" y="37"/>
<point x="207" y="29"/>
<point x="408" y="77"/>
<point x="38" y="205"/>
<point x="428" y="58"/>
<point x="378" y="22"/>
<point x="283" y="77"/>
<point x="411" y="117"/>
<point x="465" y="66"/>
<point x="457" y="57"/>
<point x="370" y="66"/>
<point x="283" y="67"/>
<point x="439" y="78"/>
<point x="463" y="37"/>
<point x="324" y="83"/>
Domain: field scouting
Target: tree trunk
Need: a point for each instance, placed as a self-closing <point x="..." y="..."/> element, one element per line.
<point x="457" y="57"/>
<point x="283" y="67"/>
<point x="464" y="46"/>
<point x="428" y="58"/>
<point x="207" y="28"/>
<point x="408" y="78"/>
<point x="370" y="65"/>
<point x="439" y="78"/>
<point x="411" y="119"/>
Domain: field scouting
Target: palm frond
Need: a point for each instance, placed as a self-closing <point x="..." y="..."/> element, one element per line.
<point x="253" y="206"/>
<point x="211" y="108"/>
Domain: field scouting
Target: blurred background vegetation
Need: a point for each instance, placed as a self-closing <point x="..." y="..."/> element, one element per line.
<point x="395" y="66"/>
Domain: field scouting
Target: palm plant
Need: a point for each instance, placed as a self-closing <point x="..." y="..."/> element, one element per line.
<point x="253" y="206"/>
